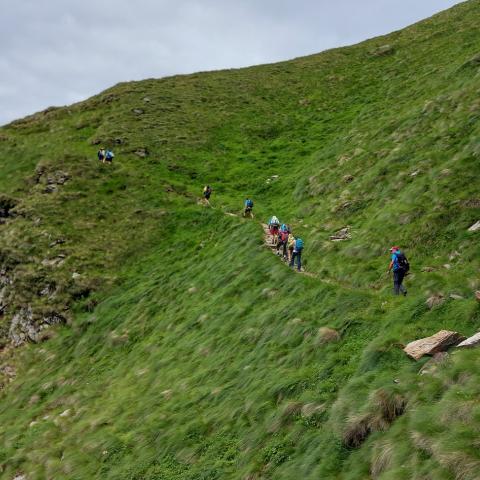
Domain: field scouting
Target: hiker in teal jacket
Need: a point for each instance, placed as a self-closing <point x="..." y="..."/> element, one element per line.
<point x="297" y="254"/>
<point x="400" y="266"/>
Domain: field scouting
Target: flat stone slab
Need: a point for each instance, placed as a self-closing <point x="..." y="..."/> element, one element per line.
<point x="440" y="342"/>
<point x="471" y="342"/>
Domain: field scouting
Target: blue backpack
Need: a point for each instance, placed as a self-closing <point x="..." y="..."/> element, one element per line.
<point x="298" y="244"/>
<point x="249" y="203"/>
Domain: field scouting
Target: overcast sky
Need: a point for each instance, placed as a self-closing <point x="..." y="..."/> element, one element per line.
<point x="56" y="52"/>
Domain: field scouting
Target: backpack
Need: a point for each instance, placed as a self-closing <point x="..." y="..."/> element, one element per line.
<point x="402" y="262"/>
<point x="109" y="154"/>
<point x="299" y="245"/>
<point x="284" y="228"/>
<point x="274" y="221"/>
<point x="249" y="203"/>
<point x="283" y="236"/>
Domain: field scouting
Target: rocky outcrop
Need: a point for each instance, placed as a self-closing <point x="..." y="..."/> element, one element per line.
<point x="440" y="342"/>
<point x="341" y="235"/>
<point x="26" y="327"/>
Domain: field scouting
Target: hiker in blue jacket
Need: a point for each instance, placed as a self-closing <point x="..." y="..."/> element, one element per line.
<point x="400" y="266"/>
<point x="248" y="212"/>
<point x="297" y="254"/>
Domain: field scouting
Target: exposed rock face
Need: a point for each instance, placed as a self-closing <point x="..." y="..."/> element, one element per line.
<point x="25" y="327"/>
<point x="471" y="342"/>
<point x="440" y="342"/>
<point x="341" y="235"/>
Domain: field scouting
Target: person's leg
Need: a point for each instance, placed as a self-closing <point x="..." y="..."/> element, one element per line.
<point x="292" y="259"/>
<point x="401" y="287"/>
<point x="396" y="283"/>
<point x="284" y="253"/>
<point x="299" y="261"/>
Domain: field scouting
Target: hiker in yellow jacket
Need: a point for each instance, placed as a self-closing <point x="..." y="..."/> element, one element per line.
<point x="291" y="246"/>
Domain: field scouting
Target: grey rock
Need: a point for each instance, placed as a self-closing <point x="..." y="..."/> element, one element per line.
<point x="25" y="327"/>
<point x="475" y="227"/>
<point x="341" y="235"/>
<point x="437" y="361"/>
<point x="454" y="296"/>
<point x="435" y="300"/>
<point x="141" y="152"/>
<point x="471" y="342"/>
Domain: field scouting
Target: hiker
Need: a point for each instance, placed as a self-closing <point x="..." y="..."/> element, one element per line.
<point x="101" y="155"/>
<point x="400" y="266"/>
<point x="248" y="212"/>
<point x="291" y="246"/>
<point x="283" y="243"/>
<point x="274" y="225"/>
<point x="297" y="253"/>
<point x="207" y="191"/>
<point x="109" y="156"/>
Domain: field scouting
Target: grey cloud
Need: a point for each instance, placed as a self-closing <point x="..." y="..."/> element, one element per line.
<point x="55" y="52"/>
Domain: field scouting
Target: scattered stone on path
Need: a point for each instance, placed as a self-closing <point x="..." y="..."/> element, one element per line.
<point x="475" y="227"/>
<point x="138" y="111"/>
<point x="437" y="361"/>
<point x="477" y="295"/>
<point x="192" y="290"/>
<point x="435" y="300"/>
<point x="440" y="342"/>
<point x="471" y="342"/>
<point x="348" y="178"/>
<point x="341" y="235"/>
<point x="428" y="269"/>
<point x="454" y="296"/>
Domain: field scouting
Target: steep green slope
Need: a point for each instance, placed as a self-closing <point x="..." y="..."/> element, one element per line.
<point x="190" y="352"/>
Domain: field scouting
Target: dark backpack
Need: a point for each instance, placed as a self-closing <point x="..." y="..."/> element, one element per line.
<point x="402" y="262"/>
<point x="249" y="203"/>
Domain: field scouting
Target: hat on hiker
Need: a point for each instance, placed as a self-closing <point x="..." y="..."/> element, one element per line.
<point x="394" y="249"/>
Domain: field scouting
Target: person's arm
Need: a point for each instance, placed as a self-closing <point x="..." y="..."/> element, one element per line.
<point x="390" y="267"/>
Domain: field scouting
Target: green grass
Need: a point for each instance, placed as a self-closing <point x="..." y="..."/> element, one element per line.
<point x="189" y="351"/>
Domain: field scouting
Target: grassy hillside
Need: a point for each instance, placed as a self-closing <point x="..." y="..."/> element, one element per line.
<point x="159" y="339"/>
